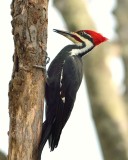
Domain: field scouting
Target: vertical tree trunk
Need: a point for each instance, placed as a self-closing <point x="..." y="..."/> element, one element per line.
<point x="26" y="88"/>
<point x="121" y="13"/>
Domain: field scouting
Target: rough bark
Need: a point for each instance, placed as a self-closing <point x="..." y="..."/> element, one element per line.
<point x="108" y="107"/>
<point x="26" y="88"/>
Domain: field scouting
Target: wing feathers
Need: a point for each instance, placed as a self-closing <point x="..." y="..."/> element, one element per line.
<point x="60" y="97"/>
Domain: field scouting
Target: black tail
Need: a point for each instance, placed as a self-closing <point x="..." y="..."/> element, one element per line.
<point x="57" y="127"/>
<point x="46" y="130"/>
<point x="55" y="135"/>
<point x="55" y="121"/>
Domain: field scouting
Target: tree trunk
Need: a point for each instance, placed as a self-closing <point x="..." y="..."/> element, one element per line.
<point x="26" y="88"/>
<point x="121" y="14"/>
<point x="107" y="105"/>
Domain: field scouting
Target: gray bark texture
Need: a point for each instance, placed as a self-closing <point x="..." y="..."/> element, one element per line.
<point x="26" y="88"/>
<point x="108" y="106"/>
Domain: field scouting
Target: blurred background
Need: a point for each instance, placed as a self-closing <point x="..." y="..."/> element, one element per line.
<point x="98" y="126"/>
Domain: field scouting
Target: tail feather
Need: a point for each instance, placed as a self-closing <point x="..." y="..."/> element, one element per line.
<point x="54" y="136"/>
<point x="57" y="127"/>
<point x="46" y="130"/>
<point x="56" y="118"/>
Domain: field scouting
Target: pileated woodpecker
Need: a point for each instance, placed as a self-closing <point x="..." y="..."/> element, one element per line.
<point x="64" y="78"/>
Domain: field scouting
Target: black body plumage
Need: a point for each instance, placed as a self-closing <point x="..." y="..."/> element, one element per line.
<point x="64" y="78"/>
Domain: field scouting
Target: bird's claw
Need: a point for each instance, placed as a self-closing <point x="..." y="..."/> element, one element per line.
<point x="43" y="67"/>
<point x="47" y="59"/>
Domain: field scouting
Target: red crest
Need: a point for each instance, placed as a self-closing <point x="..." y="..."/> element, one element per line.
<point x="97" y="37"/>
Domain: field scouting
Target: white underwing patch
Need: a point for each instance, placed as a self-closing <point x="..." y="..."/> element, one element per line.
<point x="61" y="78"/>
<point x="63" y="99"/>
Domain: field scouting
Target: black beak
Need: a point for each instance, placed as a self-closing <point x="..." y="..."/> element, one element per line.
<point x="62" y="32"/>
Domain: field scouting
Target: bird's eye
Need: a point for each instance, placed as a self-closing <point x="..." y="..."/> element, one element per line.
<point x="81" y="33"/>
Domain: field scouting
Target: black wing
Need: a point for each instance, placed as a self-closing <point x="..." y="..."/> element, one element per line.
<point x="60" y="97"/>
<point x="70" y="81"/>
<point x="65" y="76"/>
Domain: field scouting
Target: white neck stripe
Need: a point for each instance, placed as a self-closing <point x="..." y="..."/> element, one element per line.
<point x="78" y="51"/>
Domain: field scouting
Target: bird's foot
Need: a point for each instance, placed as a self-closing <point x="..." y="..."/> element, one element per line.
<point x="43" y="67"/>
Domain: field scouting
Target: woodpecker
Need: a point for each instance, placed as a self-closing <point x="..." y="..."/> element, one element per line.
<point x="64" y="78"/>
